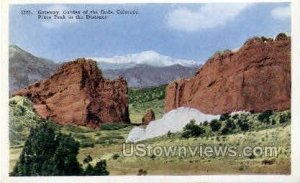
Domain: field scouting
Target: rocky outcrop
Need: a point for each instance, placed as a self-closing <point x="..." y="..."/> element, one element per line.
<point x="255" y="78"/>
<point x="149" y="116"/>
<point x="78" y="94"/>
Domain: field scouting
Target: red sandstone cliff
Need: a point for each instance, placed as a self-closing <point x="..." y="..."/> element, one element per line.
<point x="78" y="94"/>
<point x="255" y="78"/>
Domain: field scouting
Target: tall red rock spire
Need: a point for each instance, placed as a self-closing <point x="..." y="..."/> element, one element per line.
<point x="78" y="94"/>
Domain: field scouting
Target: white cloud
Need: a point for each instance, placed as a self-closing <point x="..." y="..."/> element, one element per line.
<point x="281" y="13"/>
<point x="52" y="23"/>
<point x="207" y="16"/>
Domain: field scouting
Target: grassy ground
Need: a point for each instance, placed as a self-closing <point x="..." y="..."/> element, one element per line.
<point x="118" y="164"/>
<point x="147" y="98"/>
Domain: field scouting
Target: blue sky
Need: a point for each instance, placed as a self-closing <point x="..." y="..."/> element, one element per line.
<point x="186" y="31"/>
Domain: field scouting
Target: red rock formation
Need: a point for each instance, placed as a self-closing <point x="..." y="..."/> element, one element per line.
<point x="78" y="94"/>
<point x="255" y="78"/>
<point x="149" y="116"/>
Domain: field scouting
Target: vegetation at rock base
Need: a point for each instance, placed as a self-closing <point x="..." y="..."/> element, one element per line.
<point x="21" y="119"/>
<point x="237" y="123"/>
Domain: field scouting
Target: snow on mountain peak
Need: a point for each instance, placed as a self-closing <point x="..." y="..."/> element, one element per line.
<point x="146" y="57"/>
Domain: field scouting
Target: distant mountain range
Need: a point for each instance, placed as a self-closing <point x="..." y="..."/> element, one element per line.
<point x="25" y="68"/>
<point x="141" y="70"/>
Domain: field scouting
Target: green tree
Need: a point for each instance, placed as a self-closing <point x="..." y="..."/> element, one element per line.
<point x="64" y="159"/>
<point x="48" y="153"/>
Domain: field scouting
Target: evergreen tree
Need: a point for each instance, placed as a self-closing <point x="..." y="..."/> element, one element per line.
<point x="48" y="153"/>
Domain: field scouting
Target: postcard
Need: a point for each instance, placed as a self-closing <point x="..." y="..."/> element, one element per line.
<point x="150" y="92"/>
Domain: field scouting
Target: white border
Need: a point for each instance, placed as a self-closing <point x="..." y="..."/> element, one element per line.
<point x="295" y="135"/>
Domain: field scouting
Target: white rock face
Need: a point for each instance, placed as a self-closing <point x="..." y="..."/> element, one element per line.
<point x="173" y="121"/>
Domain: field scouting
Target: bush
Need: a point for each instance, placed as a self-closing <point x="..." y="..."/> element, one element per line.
<point x="235" y="116"/>
<point x="281" y="36"/>
<point x="268" y="161"/>
<point x="169" y="134"/>
<point x="215" y="125"/>
<point x="284" y="118"/>
<point x="245" y="126"/>
<point x="142" y="172"/>
<point x="225" y="131"/>
<point x="115" y="156"/>
<point x="252" y="156"/>
<point x="192" y="130"/>
<point x="87" y="159"/>
<point x="264" y="117"/>
<point x="98" y="169"/>
<point x="230" y="124"/>
<point x="224" y="117"/>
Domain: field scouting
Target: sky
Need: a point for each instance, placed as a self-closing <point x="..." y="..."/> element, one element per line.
<point x="185" y="31"/>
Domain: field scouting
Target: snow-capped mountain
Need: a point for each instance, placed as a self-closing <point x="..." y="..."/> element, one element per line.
<point x="144" y="69"/>
<point x="151" y="58"/>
